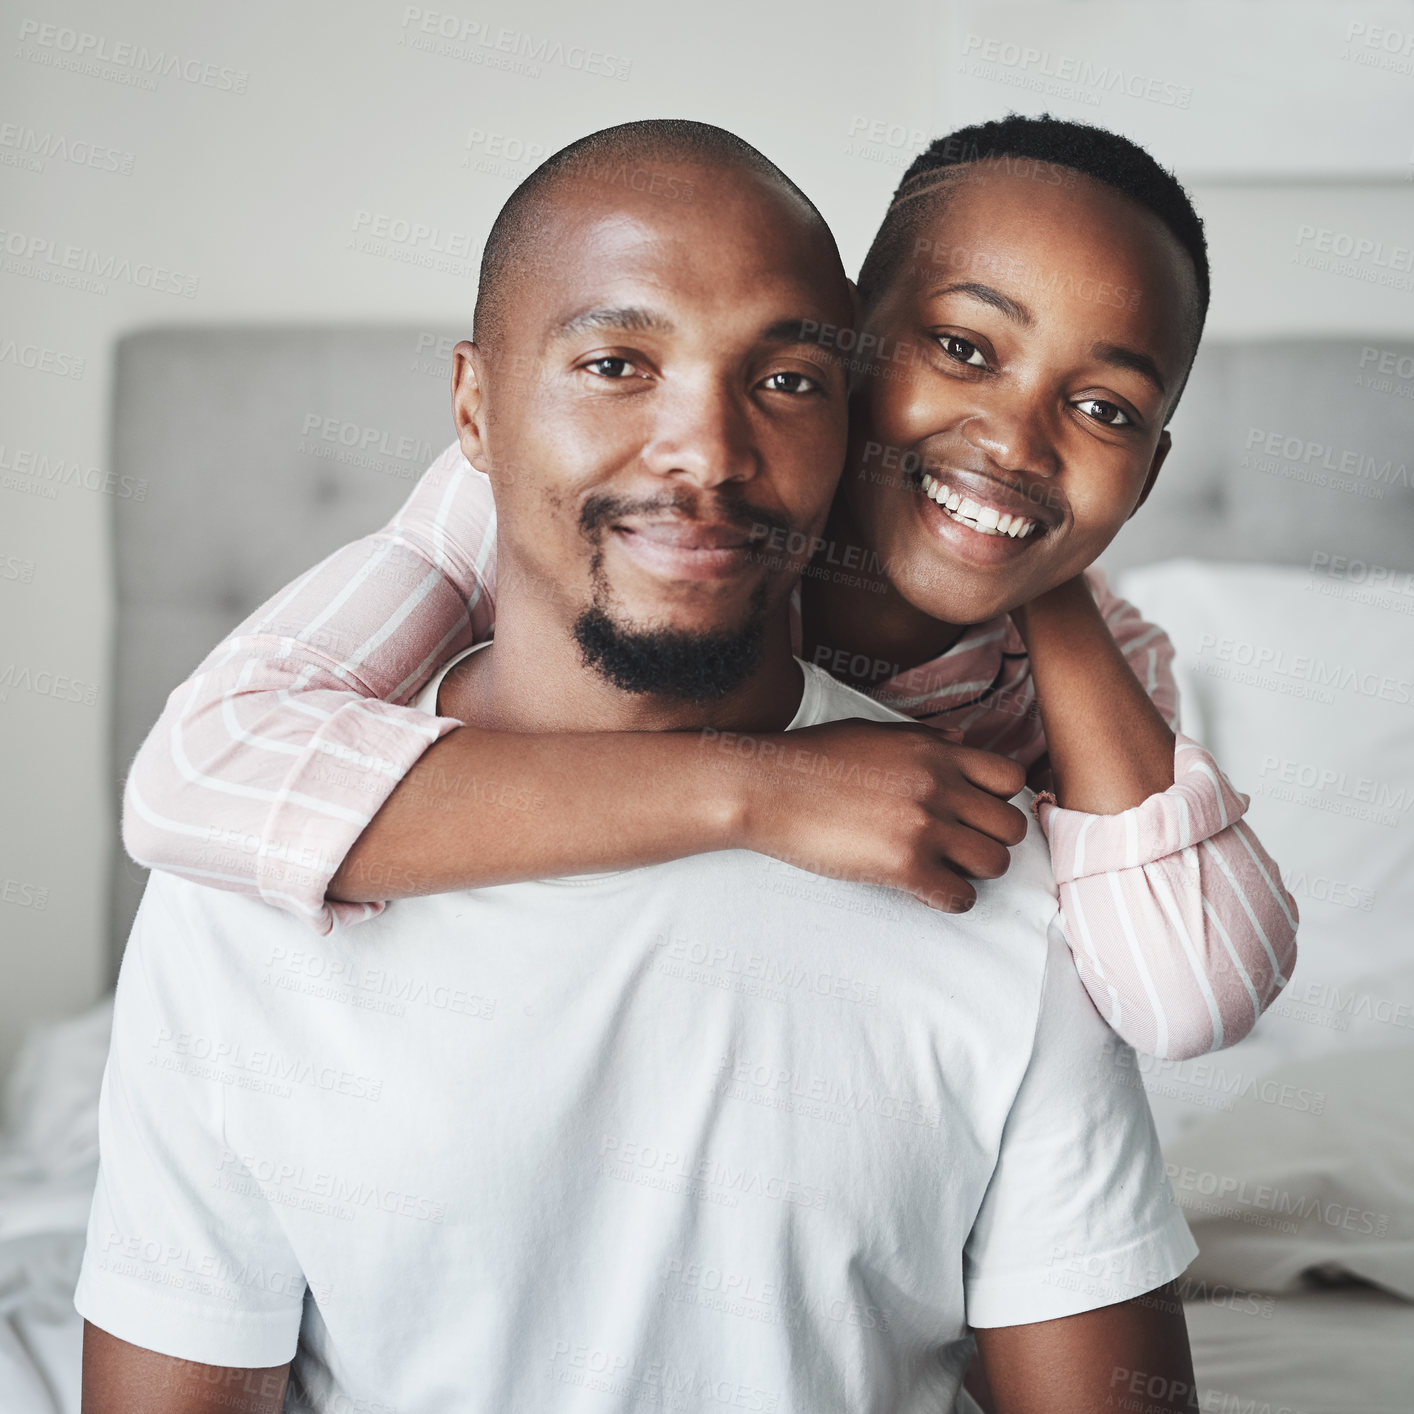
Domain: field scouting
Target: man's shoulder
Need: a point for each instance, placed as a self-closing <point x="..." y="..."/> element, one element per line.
<point x="180" y="920"/>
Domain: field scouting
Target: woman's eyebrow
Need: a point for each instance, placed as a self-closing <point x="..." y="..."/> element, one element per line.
<point x="987" y="294"/>
<point x="1117" y="356"/>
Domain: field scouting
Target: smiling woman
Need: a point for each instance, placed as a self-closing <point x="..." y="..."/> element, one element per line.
<point x="1021" y="391"/>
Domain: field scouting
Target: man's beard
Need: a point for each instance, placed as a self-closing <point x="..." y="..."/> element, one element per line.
<point x="672" y="662"/>
<point x="669" y="662"/>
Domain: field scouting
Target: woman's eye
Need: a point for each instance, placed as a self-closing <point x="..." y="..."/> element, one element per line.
<point x="962" y="351"/>
<point x="791" y="383"/>
<point x="609" y="367"/>
<point x="1105" y="412"/>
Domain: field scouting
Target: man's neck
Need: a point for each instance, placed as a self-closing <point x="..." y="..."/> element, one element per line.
<point x="534" y="679"/>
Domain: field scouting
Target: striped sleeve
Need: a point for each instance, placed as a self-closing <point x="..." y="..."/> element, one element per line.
<point x="294" y="730"/>
<point x="1177" y="917"/>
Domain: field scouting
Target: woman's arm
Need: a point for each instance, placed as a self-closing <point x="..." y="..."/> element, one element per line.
<point x="1177" y="917"/>
<point x="914" y="811"/>
<point x="1109" y="746"/>
<point x="290" y="766"/>
<point x="268" y="762"/>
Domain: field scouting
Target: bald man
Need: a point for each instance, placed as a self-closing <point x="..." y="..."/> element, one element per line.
<point x="713" y="1134"/>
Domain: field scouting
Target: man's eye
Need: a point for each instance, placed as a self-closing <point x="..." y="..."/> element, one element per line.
<point x="1105" y="412"/>
<point x="962" y="351"/>
<point x="610" y="367"/>
<point x="791" y="383"/>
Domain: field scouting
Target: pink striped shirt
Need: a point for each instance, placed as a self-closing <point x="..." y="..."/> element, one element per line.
<point x="297" y="727"/>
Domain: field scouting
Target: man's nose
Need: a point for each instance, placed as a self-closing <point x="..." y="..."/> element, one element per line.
<point x="703" y="431"/>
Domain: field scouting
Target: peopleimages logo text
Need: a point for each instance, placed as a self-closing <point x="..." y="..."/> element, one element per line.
<point x="458" y="37"/>
<point x="32" y="254"/>
<point x="84" y="50"/>
<point x="1070" y="69"/>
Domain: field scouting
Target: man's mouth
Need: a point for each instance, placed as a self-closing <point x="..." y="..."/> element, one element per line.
<point x="686" y="549"/>
<point x="978" y="515"/>
<point x="690" y="534"/>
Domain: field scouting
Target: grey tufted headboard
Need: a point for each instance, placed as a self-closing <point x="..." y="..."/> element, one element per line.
<point x="1284" y="449"/>
<point x="254" y="452"/>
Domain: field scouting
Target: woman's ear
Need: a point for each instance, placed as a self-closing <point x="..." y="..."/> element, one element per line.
<point x="469" y="402"/>
<point x="1160" y="453"/>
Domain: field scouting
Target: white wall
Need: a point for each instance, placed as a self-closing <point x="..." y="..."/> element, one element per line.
<point x="254" y="194"/>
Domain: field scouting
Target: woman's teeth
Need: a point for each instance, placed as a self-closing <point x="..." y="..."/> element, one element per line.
<point x="985" y="519"/>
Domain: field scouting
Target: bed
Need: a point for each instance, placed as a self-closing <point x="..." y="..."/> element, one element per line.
<point x="1276" y="549"/>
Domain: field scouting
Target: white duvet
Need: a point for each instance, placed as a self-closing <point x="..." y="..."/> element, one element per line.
<point x="1279" y="1197"/>
<point x="48" y="1165"/>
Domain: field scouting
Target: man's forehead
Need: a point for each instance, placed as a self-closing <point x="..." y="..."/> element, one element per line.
<point x="633" y="285"/>
<point x="755" y="217"/>
<point x="643" y="235"/>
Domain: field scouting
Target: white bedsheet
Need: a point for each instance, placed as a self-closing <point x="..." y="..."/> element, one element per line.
<point x="48" y="1164"/>
<point x="1343" y="1351"/>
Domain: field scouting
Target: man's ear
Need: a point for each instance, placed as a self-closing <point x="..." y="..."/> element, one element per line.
<point x="469" y="402"/>
<point x="1160" y="454"/>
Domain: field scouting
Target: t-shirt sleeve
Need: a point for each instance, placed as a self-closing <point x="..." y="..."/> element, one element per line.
<point x="1079" y="1212"/>
<point x="185" y="1255"/>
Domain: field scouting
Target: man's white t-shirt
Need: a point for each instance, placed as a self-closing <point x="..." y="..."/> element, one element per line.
<point x="716" y="1134"/>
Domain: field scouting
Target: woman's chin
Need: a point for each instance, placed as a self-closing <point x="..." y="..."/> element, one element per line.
<point x="958" y="598"/>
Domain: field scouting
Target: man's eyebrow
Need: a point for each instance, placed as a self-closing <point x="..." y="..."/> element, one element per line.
<point x="628" y="318"/>
<point x="801" y="331"/>
<point x="1120" y="357"/>
<point x="1004" y="304"/>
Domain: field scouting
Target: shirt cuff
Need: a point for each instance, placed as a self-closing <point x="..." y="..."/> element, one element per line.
<point x="181" y="1324"/>
<point x="1199" y="804"/>
<point x="350" y="766"/>
<point x="1069" y="1286"/>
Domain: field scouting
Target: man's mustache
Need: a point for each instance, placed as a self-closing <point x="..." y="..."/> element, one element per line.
<point x="601" y="511"/>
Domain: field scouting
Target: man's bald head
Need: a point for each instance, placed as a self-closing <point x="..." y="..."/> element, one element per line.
<point x="644" y="156"/>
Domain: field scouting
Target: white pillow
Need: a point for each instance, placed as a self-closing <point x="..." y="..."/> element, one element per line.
<point x="1320" y="1188"/>
<point x="1302" y="686"/>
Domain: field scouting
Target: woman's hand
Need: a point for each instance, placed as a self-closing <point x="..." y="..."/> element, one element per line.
<point x="885" y="803"/>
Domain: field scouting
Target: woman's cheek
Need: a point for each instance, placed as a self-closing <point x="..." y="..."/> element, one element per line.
<point x="1091" y="531"/>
